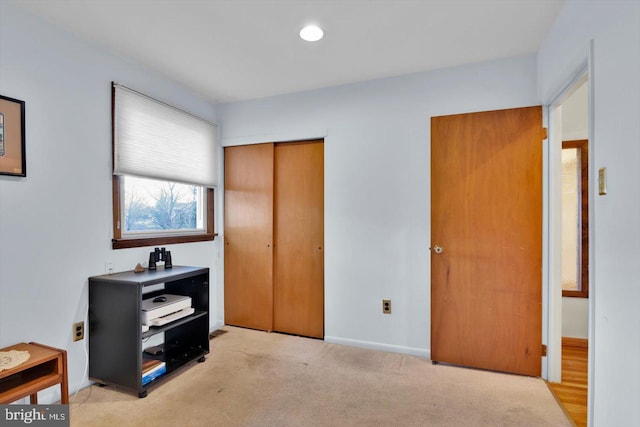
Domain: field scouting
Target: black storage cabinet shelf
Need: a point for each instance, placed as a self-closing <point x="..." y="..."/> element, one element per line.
<point x="115" y="325"/>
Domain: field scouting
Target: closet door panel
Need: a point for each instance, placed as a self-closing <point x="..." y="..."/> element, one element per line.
<point x="248" y="236"/>
<point x="299" y="239"/>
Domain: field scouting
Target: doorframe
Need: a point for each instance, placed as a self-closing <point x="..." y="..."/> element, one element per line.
<point x="225" y="141"/>
<point x="554" y="320"/>
<point x="552" y="250"/>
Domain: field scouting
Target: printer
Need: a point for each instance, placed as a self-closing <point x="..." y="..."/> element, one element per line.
<point x="166" y="308"/>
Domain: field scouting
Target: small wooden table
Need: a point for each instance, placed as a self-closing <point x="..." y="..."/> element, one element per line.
<point x="46" y="367"/>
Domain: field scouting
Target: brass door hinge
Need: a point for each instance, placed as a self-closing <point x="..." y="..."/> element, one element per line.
<point x="544" y="350"/>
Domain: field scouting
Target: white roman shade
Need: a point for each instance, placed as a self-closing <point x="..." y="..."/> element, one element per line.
<point x="154" y="140"/>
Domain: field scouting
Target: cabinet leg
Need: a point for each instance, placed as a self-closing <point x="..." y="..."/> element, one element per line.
<point x="433" y="362"/>
<point x="201" y="360"/>
<point x="143" y="394"/>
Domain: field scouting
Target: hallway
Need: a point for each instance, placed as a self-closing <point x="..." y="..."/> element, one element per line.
<point x="572" y="392"/>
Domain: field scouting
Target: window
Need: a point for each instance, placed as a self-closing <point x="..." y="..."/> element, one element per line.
<point x="163" y="173"/>
<point x="575" y="217"/>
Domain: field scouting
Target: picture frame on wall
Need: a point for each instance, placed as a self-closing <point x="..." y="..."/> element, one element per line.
<point x="12" y="140"/>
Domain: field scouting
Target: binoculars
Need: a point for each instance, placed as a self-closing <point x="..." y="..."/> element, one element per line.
<point x="160" y="254"/>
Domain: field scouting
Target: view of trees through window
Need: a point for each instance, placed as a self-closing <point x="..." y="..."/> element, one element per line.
<point x="151" y="205"/>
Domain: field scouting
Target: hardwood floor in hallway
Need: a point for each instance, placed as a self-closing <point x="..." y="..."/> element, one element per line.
<point x="572" y="392"/>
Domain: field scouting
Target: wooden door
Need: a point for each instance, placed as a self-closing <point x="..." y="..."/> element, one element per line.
<point x="299" y="239"/>
<point x="486" y="215"/>
<point x="248" y="236"/>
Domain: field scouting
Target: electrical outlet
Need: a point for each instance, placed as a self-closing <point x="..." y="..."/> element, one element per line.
<point x="108" y="267"/>
<point x="386" y="306"/>
<point x="78" y="331"/>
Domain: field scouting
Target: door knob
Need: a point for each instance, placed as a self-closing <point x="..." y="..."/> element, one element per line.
<point x="438" y="249"/>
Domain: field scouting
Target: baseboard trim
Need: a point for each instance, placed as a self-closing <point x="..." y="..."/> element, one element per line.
<point x="575" y="342"/>
<point x="413" y="351"/>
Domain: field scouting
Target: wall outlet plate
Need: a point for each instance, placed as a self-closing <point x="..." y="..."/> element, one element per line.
<point x="78" y="331"/>
<point x="386" y="306"/>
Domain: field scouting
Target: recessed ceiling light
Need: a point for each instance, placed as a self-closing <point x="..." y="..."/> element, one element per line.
<point x="311" y="33"/>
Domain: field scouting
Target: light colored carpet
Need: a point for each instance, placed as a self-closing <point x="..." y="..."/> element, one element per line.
<point x="254" y="378"/>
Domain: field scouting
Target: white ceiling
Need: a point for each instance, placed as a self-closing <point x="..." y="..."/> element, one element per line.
<point x="229" y="50"/>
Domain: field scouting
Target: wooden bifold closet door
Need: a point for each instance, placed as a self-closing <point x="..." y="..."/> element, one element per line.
<point x="274" y="237"/>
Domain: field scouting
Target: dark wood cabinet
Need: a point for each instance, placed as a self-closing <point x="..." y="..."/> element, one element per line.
<point x="116" y="337"/>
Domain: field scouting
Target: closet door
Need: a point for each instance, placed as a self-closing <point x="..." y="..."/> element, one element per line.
<point x="248" y="236"/>
<point x="299" y="238"/>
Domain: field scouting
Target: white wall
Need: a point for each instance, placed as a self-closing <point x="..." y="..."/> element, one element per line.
<point x="377" y="203"/>
<point x="575" y="114"/>
<point x="55" y="224"/>
<point x="614" y="28"/>
<point x="575" y="317"/>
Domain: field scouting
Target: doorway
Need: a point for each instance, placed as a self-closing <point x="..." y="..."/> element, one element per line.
<point x="569" y="172"/>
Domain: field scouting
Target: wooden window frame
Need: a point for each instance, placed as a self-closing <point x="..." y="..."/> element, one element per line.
<point x="583" y="145"/>
<point x="119" y="243"/>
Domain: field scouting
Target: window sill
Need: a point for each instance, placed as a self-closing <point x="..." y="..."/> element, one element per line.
<point x="575" y="294"/>
<point x="156" y="241"/>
